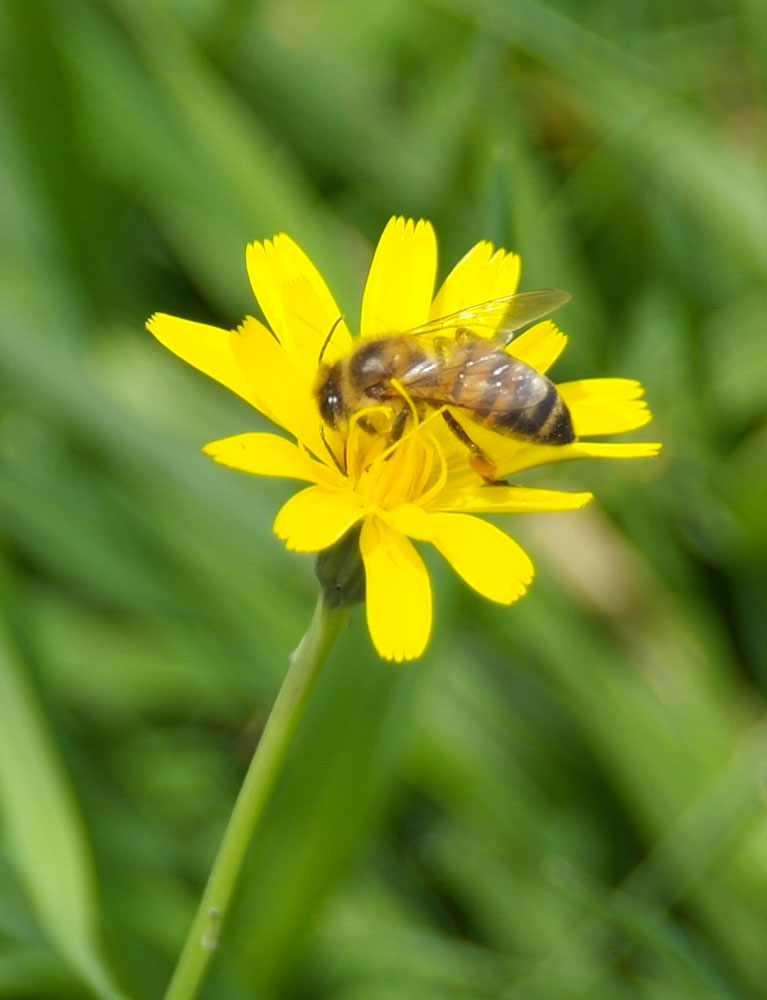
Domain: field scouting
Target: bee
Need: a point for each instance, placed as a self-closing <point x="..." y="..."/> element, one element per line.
<point x="447" y="365"/>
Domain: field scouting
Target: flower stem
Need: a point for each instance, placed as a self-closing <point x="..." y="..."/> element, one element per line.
<point x="264" y="769"/>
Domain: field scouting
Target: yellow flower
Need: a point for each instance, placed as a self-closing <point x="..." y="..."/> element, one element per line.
<point x="422" y="487"/>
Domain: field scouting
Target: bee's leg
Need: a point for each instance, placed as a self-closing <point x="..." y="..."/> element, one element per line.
<point x="399" y="424"/>
<point x="366" y="426"/>
<point x="397" y="429"/>
<point x="479" y="461"/>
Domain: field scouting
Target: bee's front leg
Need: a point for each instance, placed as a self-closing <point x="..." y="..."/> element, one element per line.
<point x="398" y="425"/>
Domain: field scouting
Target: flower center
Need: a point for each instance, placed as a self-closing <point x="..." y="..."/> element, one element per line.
<point x="386" y="474"/>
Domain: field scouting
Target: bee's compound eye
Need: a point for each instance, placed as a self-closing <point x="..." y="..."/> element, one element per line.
<point x="329" y="408"/>
<point x="329" y="399"/>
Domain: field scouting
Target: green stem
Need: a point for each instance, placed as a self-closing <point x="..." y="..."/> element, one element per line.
<point x="265" y="767"/>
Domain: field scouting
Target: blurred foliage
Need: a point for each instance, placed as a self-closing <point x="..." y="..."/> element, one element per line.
<point x="565" y="799"/>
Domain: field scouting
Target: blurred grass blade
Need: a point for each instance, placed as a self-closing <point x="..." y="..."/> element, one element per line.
<point x="639" y="107"/>
<point x="214" y="179"/>
<point x="44" y="832"/>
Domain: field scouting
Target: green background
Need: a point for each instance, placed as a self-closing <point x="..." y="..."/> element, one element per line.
<point x="562" y="799"/>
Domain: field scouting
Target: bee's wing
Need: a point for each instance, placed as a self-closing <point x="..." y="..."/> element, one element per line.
<point x="500" y="317"/>
<point x="467" y="388"/>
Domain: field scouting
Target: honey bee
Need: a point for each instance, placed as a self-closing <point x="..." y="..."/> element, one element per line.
<point x="446" y="365"/>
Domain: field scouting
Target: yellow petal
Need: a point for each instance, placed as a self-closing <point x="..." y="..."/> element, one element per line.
<point x="400" y="283"/>
<point x="540" y="346"/>
<point x="268" y="455"/>
<point x="506" y="499"/>
<point x="295" y="300"/>
<point x="317" y="517"/>
<point x="605" y="405"/>
<point x="483" y="274"/>
<point x="630" y="449"/>
<point x="282" y="388"/>
<point x="398" y="592"/>
<point x="487" y="559"/>
<point x="204" y="347"/>
<point x="528" y="456"/>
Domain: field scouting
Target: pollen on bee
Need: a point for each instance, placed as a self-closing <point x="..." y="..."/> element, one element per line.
<point x="483" y="466"/>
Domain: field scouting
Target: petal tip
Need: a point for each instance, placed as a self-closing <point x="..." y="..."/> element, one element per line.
<point x="581" y="499"/>
<point x="401" y="654"/>
<point x="214" y="451"/>
<point x="254" y="249"/>
<point x="155" y="321"/>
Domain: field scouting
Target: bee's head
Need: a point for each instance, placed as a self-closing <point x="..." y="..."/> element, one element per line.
<point x="330" y="395"/>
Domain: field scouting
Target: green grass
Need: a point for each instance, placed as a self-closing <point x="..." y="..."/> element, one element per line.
<point x="563" y="800"/>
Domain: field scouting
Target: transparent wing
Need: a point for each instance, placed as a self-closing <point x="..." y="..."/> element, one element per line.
<point x="499" y="318"/>
<point x="479" y="393"/>
<point x="437" y="383"/>
<point x="421" y="387"/>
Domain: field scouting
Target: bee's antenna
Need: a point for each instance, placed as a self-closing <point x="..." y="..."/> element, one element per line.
<point x="327" y="340"/>
<point x="330" y="451"/>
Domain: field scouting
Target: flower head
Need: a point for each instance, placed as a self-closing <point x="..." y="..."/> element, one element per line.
<point x="421" y="484"/>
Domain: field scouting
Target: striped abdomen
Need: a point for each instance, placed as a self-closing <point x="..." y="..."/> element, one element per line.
<point x="507" y="395"/>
